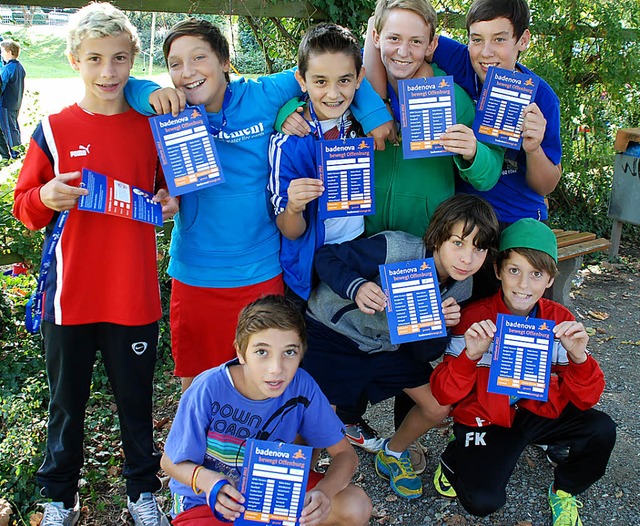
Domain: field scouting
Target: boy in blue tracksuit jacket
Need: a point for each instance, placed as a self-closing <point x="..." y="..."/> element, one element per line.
<point x="329" y="72"/>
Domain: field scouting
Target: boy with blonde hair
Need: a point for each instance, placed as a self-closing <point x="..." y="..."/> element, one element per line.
<point x="96" y="254"/>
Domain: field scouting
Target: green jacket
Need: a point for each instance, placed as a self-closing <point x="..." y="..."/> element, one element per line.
<point x="408" y="191"/>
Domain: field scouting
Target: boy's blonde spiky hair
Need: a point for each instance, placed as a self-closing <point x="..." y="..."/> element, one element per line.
<point x="99" y="20"/>
<point x="422" y="8"/>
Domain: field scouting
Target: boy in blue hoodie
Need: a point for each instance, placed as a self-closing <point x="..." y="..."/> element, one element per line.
<point x="225" y="244"/>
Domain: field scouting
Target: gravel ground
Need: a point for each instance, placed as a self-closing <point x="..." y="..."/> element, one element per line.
<point x="606" y="291"/>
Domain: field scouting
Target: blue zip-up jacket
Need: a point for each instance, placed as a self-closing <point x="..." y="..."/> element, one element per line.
<point x="12" y="85"/>
<point x="511" y="197"/>
<point x="225" y="235"/>
<point x="292" y="157"/>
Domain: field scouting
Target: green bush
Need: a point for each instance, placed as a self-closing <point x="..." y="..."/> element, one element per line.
<point x="24" y="390"/>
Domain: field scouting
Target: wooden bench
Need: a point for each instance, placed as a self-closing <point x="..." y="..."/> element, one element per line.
<point x="572" y="247"/>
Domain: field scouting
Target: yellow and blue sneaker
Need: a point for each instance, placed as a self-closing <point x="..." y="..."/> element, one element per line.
<point x="398" y="471"/>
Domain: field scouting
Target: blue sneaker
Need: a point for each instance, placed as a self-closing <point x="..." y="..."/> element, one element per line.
<point x="398" y="471"/>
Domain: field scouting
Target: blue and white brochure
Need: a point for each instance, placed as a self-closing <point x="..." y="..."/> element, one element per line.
<point x="500" y="110"/>
<point x="345" y="166"/>
<point x="274" y="482"/>
<point x="187" y="151"/>
<point x="414" y="307"/>
<point x="427" y="109"/>
<point x="521" y="360"/>
<point x="115" y="198"/>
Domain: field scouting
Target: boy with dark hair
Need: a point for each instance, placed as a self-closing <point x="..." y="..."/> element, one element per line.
<point x="225" y="244"/>
<point x="498" y="32"/>
<point x="12" y="81"/>
<point x="205" y="447"/>
<point x="350" y="351"/>
<point x="490" y="430"/>
<point x="329" y="72"/>
<point x="102" y="294"/>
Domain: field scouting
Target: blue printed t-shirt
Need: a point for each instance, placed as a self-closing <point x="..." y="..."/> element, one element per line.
<point x="214" y="420"/>
<point x="511" y="197"/>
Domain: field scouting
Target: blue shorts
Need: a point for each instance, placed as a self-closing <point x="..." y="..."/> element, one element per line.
<point x="345" y="373"/>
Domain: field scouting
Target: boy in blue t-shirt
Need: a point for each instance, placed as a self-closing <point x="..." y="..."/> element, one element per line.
<point x="329" y="73"/>
<point x="498" y="32"/>
<point x="261" y="394"/>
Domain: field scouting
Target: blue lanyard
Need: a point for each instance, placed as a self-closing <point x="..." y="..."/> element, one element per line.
<point x="33" y="317"/>
<point x="315" y="120"/>
<point x="225" y="104"/>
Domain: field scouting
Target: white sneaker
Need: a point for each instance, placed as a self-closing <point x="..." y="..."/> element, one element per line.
<point x="362" y="435"/>
<point x="55" y="514"/>
<point x="145" y="511"/>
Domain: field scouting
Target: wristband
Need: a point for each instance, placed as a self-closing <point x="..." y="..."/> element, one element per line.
<point x="194" y="477"/>
<point x="213" y="497"/>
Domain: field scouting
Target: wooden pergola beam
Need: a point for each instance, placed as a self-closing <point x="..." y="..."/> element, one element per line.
<point x="257" y="8"/>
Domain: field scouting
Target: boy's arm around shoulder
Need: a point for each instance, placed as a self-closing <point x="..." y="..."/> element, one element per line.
<point x="148" y="98"/>
<point x="345" y="267"/>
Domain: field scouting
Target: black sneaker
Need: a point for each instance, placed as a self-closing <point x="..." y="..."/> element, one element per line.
<point x="555" y="454"/>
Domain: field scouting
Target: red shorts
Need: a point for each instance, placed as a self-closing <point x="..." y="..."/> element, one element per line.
<point x="203" y="516"/>
<point x="203" y="322"/>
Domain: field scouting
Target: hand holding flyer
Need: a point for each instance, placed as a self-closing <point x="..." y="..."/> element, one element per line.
<point x="427" y="108"/>
<point x="521" y="360"/>
<point x="186" y="150"/>
<point x="109" y="196"/>
<point x="414" y="307"/>
<point x="274" y="482"/>
<point x="500" y="111"/>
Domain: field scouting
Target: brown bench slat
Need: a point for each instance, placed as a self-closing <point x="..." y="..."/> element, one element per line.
<point x="581" y="249"/>
<point x="573" y="239"/>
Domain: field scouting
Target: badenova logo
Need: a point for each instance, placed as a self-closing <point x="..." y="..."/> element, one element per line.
<point x="272" y="453"/>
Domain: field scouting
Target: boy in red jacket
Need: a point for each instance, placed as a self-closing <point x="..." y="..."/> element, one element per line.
<point x="490" y="430"/>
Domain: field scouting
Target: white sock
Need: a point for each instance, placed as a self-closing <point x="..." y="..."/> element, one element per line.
<point x="391" y="452"/>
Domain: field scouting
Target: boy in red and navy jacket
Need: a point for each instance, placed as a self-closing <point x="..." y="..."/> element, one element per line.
<point x="491" y="430"/>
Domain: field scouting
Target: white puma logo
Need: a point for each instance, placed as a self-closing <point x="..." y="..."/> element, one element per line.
<point x="82" y="151"/>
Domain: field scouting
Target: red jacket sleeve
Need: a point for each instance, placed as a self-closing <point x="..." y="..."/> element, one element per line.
<point x="35" y="173"/>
